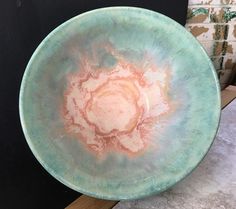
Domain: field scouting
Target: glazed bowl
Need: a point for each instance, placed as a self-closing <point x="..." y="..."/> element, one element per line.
<point x="119" y="103"/>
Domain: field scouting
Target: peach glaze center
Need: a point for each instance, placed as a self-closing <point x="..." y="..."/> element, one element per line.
<point x="115" y="110"/>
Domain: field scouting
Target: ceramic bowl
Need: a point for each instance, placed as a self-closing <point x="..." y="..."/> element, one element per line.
<point x="119" y="103"/>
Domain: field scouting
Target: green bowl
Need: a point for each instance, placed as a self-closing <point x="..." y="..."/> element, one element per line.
<point x="119" y="103"/>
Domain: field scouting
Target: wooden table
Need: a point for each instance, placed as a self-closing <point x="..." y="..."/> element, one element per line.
<point x="85" y="202"/>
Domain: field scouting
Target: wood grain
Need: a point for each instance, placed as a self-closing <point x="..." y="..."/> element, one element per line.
<point x="228" y="95"/>
<point x="85" y="202"/>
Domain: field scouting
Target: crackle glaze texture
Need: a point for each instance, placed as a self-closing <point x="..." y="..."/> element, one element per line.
<point x="119" y="103"/>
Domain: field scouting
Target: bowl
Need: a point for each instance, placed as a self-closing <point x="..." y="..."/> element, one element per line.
<point x="119" y="103"/>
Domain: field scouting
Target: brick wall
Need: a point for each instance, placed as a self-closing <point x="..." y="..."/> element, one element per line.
<point x="213" y="23"/>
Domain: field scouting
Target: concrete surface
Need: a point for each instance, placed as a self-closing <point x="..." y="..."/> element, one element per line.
<point x="212" y="185"/>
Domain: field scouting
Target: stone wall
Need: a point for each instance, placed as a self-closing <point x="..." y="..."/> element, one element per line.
<point x="213" y="23"/>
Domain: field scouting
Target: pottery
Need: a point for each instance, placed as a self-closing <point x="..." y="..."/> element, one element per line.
<point x="119" y="103"/>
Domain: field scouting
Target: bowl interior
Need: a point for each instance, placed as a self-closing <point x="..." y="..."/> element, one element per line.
<point x="119" y="53"/>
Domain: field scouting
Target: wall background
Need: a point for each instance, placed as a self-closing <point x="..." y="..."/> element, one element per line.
<point x="213" y="23"/>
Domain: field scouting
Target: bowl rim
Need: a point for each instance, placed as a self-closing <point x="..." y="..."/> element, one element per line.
<point x="24" y="81"/>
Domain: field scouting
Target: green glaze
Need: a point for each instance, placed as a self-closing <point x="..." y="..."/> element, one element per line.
<point x="195" y="12"/>
<point x="229" y="15"/>
<point x="189" y="130"/>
